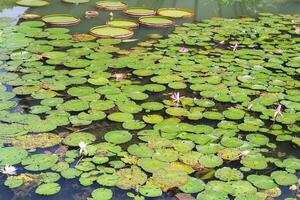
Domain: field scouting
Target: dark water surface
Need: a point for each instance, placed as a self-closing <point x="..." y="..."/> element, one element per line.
<point x="203" y="9"/>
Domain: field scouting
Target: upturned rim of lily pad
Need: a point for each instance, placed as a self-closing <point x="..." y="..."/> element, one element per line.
<point x="108" y="7"/>
<point x="148" y="12"/>
<point x="171" y="22"/>
<point x="189" y="13"/>
<point x="135" y="24"/>
<point x="75" y="20"/>
<point x="120" y="36"/>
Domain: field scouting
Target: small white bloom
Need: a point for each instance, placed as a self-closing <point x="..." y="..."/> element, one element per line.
<point x="293" y="187"/>
<point x="83" y="147"/>
<point x="244" y="153"/>
<point x="9" y="170"/>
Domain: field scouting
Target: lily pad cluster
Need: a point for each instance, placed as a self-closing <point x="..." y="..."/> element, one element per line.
<point x="196" y="113"/>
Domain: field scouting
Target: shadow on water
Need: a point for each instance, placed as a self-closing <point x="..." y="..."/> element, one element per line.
<point x="203" y="9"/>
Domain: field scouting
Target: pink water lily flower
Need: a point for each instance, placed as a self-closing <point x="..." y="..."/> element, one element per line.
<point x="278" y="111"/>
<point x="176" y="98"/>
<point x="234" y="47"/>
<point x="120" y="76"/>
<point x="183" y="50"/>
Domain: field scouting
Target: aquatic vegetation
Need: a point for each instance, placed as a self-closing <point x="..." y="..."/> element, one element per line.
<point x="233" y="93"/>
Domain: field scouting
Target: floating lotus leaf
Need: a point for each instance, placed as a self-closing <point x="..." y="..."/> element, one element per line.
<point x="213" y="115"/>
<point x="32" y="3"/>
<point x="102" y="105"/>
<point x="291" y="163"/>
<point x="234" y="114"/>
<point x="39" y="162"/>
<point x="153" y="119"/>
<point x="102" y="194"/>
<point x="212" y="195"/>
<point x="74" y="105"/>
<point x="193" y="185"/>
<point x="80" y="91"/>
<point x="261" y="181"/>
<point x="150" y="191"/>
<point x="230" y="153"/>
<point x="219" y="186"/>
<point x="108" y="179"/>
<point x="13" y="182"/>
<point x="254" y="162"/>
<point x="33" y="141"/>
<point x="250" y="197"/>
<point x="151" y="165"/>
<point x="257" y="139"/>
<point x="120" y="117"/>
<point x="131" y="178"/>
<point x="111" y="32"/>
<point x="133" y="125"/>
<point x="210" y="148"/>
<point x="176" y="111"/>
<point x="118" y="136"/>
<point x="75" y="138"/>
<point x="210" y="161"/>
<point x="61" y="20"/>
<point x="111" y="5"/>
<point x="231" y="142"/>
<point x="168" y="178"/>
<point x="175" y="12"/>
<point x="70" y="173"/>
<point x="242" y="187"/>
<point x="140" y="150"/>
<point x="85" y="166"/>
<point x="139" y="11"/>
<point x="229" y="174"/>
<point x="152" y="106"/>
<point x="284" y="178"/>
<point x="12" y="155"/>
<point x="76" y="1"/>
<point x="165" y="155"/>
<point x="48" y="189"/>
<point x="183" y="146"/>
<point x="156" y="21"/>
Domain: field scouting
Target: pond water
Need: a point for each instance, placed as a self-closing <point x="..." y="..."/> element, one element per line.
<point x="232" y="77"/>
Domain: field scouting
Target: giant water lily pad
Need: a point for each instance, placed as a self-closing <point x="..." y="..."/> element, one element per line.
<point x="75" y="138"/>
<point x="48" y="189"/>
<point x="123" y="23"/>
<point x="111" y="5"/>
<point x="139" y="11"/>
<point x="175" y="12"/>
<point x="118" y="137"/>
<point x="111" y="32"/>
<point x="33" y="141"/>
<point x="61" y="20"/>
<point x="32" y="3"/>
<point x="156" y="21"/>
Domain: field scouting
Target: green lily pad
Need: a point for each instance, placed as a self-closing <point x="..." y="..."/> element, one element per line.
<point x="13" y="182"/>
<point x="48" y="189"/>
<point x="284" y="178"/>
<point x="118" y="136"/>
<point x="120" y="117"/>
<point x="151" y="165"/>
<point x="228" y="174"/>
<point x="131" y="178"/>
<point x="193" y="185"/>
<point x="32" y="3"/>
<point x="261" y="181"/>
<point x="102" y="194"/>
<point x="75" y="138"/>
<point x="12" y="155"/>
<point x="210" y="161"/>
<point x="212" y="195"/>
<point x="33" y="141"/>
<point x="39" y="162"/>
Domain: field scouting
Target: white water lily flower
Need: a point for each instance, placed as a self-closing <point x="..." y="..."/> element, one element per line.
<point x="244" y="153"/>
<point x="82" y="145"/>
<point x="9" y="170"/>
<point x="293" y="187"/>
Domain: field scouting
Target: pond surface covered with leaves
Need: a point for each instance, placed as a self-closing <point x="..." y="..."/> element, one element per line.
<point x="210" y="112"/>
